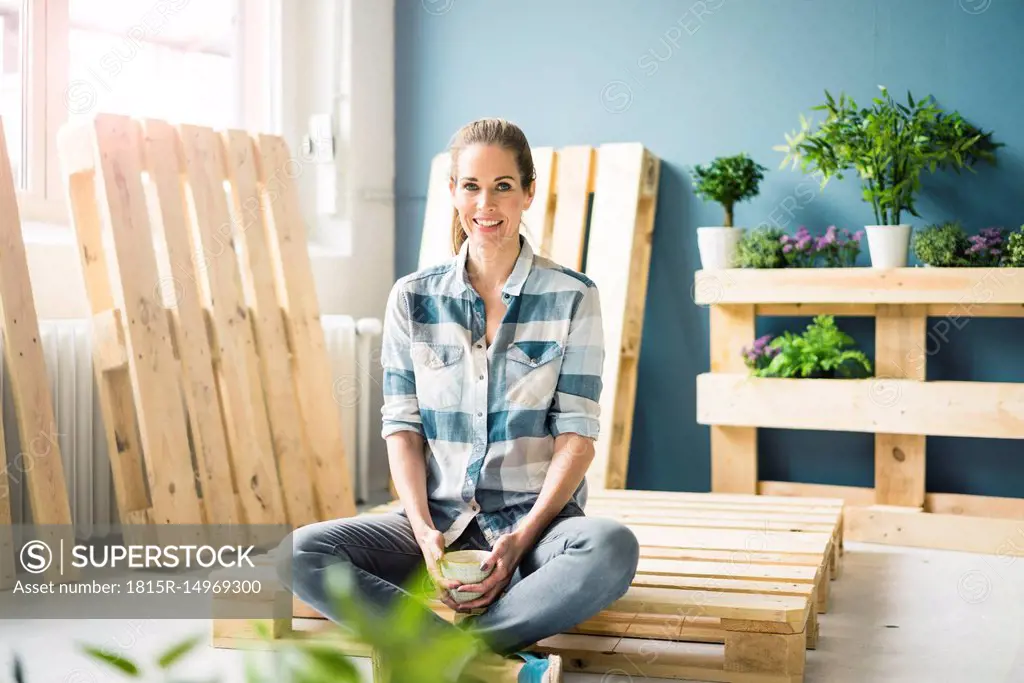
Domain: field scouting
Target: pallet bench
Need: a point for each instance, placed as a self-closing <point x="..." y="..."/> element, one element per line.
<point x="728" y="588"/>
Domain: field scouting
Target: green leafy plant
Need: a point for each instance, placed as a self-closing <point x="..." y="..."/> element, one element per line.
<point x="941" y="245"/>
<point x="1015" y="249"/>
<point x="822" y="351"/>
<point x="728" y="181"/>
<point x="889" y="145"/>
<point x="948" y="245"/>
<point x="761" y="248"/>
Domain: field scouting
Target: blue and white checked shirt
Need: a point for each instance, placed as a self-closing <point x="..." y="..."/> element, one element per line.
<point x="489" y="416"/>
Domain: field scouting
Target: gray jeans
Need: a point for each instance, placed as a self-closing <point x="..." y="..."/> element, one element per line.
<point x="578" y="567"/>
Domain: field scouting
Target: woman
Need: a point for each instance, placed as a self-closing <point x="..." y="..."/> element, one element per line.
<point x="492" y="378"/>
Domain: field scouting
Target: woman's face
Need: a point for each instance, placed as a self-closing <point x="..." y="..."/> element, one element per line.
<point x="489" y="197"/>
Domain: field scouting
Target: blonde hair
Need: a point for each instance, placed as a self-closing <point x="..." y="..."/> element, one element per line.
<point x="490" y="131"/>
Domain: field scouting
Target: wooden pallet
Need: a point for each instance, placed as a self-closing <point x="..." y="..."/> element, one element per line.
<point x="207" y="337"/>
<point x="609" y="240"/>
<point x="748" y="572"/>
<point x="897" y="405"/>
<point x="39" y="460"/>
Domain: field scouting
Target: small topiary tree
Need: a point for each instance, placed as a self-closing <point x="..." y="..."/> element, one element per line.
<point x="728" y="181"/>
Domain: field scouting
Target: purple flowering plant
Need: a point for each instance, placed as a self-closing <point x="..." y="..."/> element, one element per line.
<point x="837" y="248"/>
<point x="987" y="247"/>
<point x="760" y="354"/>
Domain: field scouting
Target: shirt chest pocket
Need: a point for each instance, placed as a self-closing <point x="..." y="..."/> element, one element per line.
<point x="439" y="374"/>
<point x="531" y="373"/>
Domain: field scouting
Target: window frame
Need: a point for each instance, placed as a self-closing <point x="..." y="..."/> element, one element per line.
<point x="47" y="72"/>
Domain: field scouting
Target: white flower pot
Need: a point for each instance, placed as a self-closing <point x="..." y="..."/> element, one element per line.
<point x="718" y="247"/>
<point x="888" y="245"/>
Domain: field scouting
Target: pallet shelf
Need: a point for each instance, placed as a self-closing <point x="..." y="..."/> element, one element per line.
<point x="898" y="405"/>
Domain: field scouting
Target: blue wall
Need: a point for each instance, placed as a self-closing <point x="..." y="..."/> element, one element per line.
<point x="694" y="80"/>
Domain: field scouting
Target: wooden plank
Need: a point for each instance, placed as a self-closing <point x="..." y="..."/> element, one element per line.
<point x="291" y="443"/>
<point x="731" y="539"/>
<point x="765" y="653"/>
<point x="962" y="290"/>
<point x="638" y="658"/>
<point x="538" y="220"/>
<point x="575" y="182"/>
<point x="733" y="449"/>
<point x="785" y="610"/>
<point x="435" y="239"/>
<point x="896" y="406"/>
<point x="30" y="387"/>
<point x="706" y="523"/>
<point x="185" y="269"/>
<point x="697" y="514"/>
<point x="891" y="526"/>
<point x="739" y="568"/>
<point x="975" y="506"/>
<point x="724" y="585"/>
<point x="952" y="311"/>
<point x="945" y="503"/>
<point x="899" y="353"/>
<point x="618" y="260"/>
<point x="851" y="495"/>
<point x="311" y="365"/>
<point x="811" y="310"/>
<point x="121" y="236"/>
<point x="739" y="500"/>
<point x="238" y="376"/>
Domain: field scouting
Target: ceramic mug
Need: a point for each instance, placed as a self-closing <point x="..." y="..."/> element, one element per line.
<point x="464" y="566"/>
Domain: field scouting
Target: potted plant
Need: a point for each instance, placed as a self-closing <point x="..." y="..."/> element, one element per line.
<point x="987" y="248"/>
<point x="889" y="145"/>
<point x="946" y="245"/>
<point x="761" y="248"/>
<point x="1015" y="249"/>
<point x="941" y="245"/>
<point x="837" y="248"/>
<point x="822" y="351"/>
<point x="728" y="181"/>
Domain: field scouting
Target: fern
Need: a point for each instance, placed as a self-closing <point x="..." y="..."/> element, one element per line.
<point x="821" y="351"/>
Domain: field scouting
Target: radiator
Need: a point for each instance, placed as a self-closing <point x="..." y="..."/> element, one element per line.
<point x="353" y="347"/>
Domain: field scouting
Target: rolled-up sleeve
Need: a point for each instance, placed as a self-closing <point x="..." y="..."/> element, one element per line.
<point x="400" y="411"/>
<point x="576" y="407"/>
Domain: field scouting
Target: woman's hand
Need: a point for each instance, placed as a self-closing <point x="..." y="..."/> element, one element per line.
<point x="508" y="551"/>
<point x="431" y="543"/>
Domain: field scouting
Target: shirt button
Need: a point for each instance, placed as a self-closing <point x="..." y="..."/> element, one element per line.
<point x="479" y="346"/>
<point x="481" y="376"/>
<point x="479" y="414"/>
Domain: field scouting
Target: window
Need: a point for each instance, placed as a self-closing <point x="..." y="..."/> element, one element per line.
<point x="179" y="60"/>
<point x="12" y="85"/>
<point x="176" y="60"/>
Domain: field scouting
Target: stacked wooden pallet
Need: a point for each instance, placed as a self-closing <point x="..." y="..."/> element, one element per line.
<point x="898" y="405"/>
<point x="207" y="337"/>
<point x="750" y="573"/>
<point x="594" y="212"/>
<point x="39" y="460"/>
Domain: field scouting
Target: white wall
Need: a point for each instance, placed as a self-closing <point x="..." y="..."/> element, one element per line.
<point x="338" y="58"/>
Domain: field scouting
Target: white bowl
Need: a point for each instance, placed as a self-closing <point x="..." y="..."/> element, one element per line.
<point x="464" y="566"/>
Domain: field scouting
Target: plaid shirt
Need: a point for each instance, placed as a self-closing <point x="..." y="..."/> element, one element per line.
<point x="489" y="415"/>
